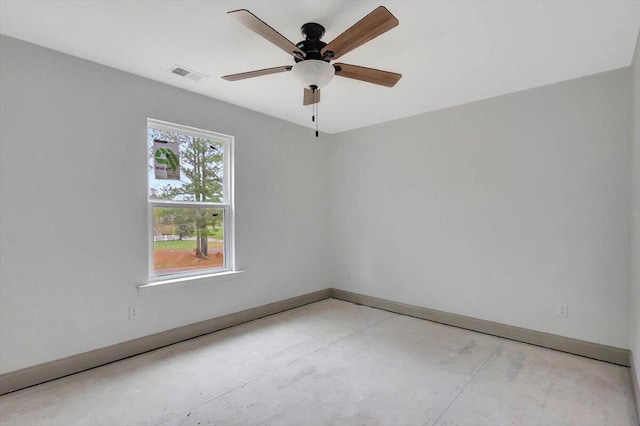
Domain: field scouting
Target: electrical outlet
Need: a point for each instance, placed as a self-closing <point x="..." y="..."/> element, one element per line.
<point x="562" y="311"/>
<point x="134" y="312"/>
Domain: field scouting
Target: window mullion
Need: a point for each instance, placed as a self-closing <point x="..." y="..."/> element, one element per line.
<point x="162" y="203"/>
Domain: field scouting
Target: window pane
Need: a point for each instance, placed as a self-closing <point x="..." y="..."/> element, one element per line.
<point x="183" y="167"/>
<point x="187" y="239"/>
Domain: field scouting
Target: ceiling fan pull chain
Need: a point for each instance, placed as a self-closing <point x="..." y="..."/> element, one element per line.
<point x="317" y="117"/>
<point x="313" y="88"/>
<point x="314" y="105"/>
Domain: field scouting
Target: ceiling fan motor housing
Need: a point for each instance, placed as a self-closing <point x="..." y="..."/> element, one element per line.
<point x="312" y="45"/>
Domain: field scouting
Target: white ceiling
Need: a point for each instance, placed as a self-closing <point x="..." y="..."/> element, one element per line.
<point x="449" y="52"/>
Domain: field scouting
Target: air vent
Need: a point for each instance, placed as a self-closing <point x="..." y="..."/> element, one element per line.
<point x="185" y="72"/>
<point x="180" y="71"/>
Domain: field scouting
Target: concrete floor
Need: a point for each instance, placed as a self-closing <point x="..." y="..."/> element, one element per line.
<point x="336" y="363"/>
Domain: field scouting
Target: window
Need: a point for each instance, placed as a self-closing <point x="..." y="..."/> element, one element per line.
<point x="190" y="200"/>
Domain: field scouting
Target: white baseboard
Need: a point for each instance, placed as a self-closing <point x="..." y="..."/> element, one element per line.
<point x="552" y="341"/>
<point x="41" y="373"/>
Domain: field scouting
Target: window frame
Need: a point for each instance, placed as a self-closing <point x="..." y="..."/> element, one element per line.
<point x="226" y="205"/>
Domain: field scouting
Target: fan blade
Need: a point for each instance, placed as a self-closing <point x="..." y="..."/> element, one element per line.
<point x="257" y="73"/>
<point x="370" y="75"/>
<point x="371" y="26"/>
<point x="258" y="26"/>
<point x="311" y="97"/>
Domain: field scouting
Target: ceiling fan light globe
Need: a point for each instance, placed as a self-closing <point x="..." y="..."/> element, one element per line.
<point x="313" y="72"/>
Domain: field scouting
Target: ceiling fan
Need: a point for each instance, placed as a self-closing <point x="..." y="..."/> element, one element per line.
<point x="312" y="56"/>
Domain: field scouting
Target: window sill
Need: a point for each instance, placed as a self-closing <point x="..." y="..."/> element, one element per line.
<point x="156" y="286"/>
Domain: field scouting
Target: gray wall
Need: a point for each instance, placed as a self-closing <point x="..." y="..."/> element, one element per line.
<point x="635" y="250"/>
<point x="501" y="209"/>
<point x="73" y="210"/>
